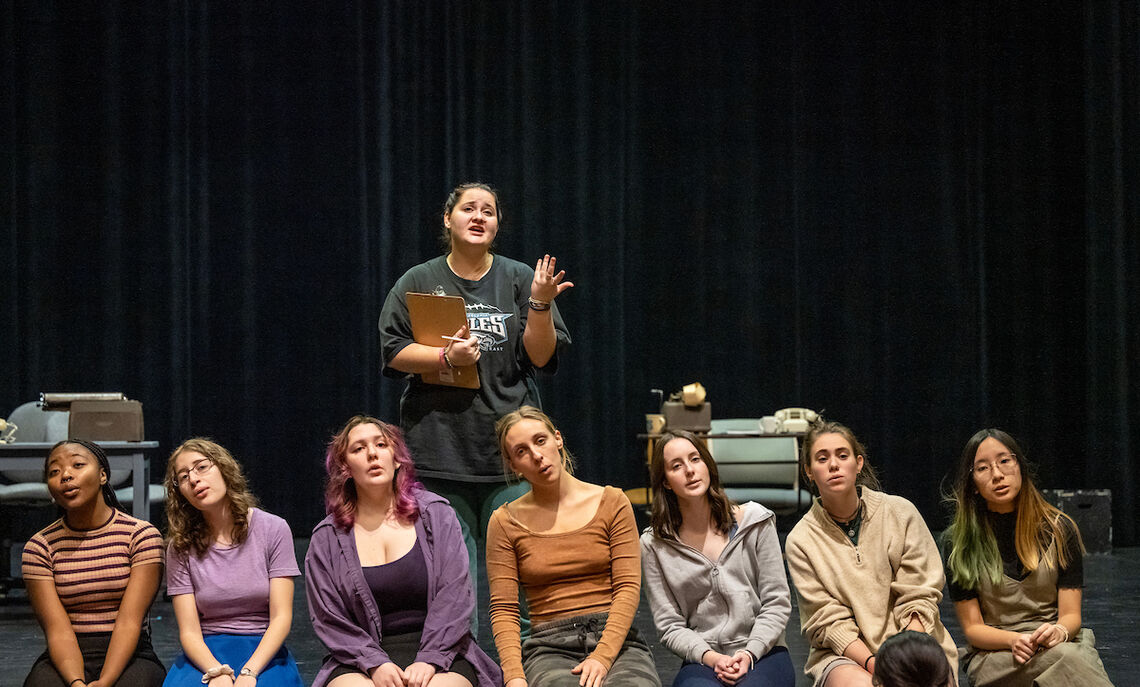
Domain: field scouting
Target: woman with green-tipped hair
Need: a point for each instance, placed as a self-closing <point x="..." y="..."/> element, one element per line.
<point x="1015" y="568"/>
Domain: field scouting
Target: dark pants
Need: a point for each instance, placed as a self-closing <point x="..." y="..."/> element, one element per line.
<point x="774" y="669"/>
<point x="554" y="648"/>
<point x="402" y="649"/>
<point x="143" y="670"/>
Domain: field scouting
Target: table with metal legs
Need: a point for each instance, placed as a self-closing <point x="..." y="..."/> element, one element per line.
<point x="123" y="455"/>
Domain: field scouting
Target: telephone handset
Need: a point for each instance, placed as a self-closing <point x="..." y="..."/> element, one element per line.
<point x="7" y="430"/>
<point x="796" y="419"/>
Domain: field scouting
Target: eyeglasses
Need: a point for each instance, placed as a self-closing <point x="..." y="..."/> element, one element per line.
<point x="1006" y="463"/>
<point x="199" y="468"/>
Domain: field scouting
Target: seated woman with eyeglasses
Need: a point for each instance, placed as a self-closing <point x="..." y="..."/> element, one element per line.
<point x="91" y="577"/>
<point x="1016" y="568"/>
<point x="230" y="570"/>
<point x="572" y="546"/>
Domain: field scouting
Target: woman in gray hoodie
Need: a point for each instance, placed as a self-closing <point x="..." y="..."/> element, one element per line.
<point x="724" y="603"/>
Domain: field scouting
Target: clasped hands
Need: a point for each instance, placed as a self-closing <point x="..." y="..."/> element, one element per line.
<point x="226" y="681"/>
<point x="1047" y="636"/>
<point x="729" y="669"/>
<point x="418" y="674"/>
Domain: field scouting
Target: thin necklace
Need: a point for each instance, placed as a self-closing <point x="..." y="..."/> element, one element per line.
<point x="858" y="505"/>
<point x="850" y="523"/>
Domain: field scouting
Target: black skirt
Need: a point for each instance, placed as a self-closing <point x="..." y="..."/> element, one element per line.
<point x="402" y="650"/>
<point x="143" y="670"/>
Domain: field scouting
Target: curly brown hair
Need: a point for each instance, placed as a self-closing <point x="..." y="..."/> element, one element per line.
<point x="186" y="527"/>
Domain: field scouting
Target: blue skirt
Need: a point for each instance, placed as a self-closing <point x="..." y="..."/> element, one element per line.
<point x="235" y="650"/>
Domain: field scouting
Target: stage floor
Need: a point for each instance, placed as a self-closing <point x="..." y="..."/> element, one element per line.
<point x="1111" y="606"/>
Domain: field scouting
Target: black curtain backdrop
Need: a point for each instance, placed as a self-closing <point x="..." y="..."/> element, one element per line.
<point x="918" y="217"/>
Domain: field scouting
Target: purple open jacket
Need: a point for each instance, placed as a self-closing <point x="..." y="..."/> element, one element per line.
<point x="344" y="612"/>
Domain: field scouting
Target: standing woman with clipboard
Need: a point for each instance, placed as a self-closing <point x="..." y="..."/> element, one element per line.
<point x="513" y="330"/>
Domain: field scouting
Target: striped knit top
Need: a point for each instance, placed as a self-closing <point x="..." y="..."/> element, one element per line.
<point x="91" y="568"/>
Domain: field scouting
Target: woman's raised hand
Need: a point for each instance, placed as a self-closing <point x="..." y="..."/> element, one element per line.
<point x="465" y="352"/>
<point x="546" y="284"/>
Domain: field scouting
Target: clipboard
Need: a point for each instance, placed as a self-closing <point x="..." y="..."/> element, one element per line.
<point x="434" y="317"/>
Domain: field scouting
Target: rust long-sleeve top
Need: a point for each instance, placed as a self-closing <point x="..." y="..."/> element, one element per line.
<point x="594" y="569"/>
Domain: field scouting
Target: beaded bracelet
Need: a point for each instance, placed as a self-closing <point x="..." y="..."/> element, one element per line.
<point x="221" y="669"/>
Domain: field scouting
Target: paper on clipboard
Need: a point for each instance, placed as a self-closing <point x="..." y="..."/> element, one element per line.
<point x="434" y="317"/>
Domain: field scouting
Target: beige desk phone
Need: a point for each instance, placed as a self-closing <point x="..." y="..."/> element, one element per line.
<point x="7" y="430"/>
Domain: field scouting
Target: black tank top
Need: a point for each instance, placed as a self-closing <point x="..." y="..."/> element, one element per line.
<point x="401" y="590"/>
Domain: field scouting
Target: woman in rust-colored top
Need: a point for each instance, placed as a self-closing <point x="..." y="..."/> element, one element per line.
<point x="573" y="548"/>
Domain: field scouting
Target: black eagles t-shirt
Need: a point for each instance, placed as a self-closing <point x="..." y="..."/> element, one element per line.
<point x="451" y="431"/>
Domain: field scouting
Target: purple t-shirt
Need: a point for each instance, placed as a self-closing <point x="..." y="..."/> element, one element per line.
<point x="231" y="584"/>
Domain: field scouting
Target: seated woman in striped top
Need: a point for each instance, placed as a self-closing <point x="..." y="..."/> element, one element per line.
<point x="91" y="577"/>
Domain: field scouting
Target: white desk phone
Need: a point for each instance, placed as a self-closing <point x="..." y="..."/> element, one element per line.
<point x="788" y="420"/>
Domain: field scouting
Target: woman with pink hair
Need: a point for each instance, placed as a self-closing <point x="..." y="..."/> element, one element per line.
<point x="386" y="573"/>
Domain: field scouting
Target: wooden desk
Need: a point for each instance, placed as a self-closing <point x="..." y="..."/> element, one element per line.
<point x="125" y="455"/>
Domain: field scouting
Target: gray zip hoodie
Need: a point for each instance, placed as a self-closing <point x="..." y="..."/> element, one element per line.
<point x="740" y="601"/>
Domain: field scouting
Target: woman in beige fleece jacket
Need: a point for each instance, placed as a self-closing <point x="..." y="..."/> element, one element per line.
<point x="863" y="563"/>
